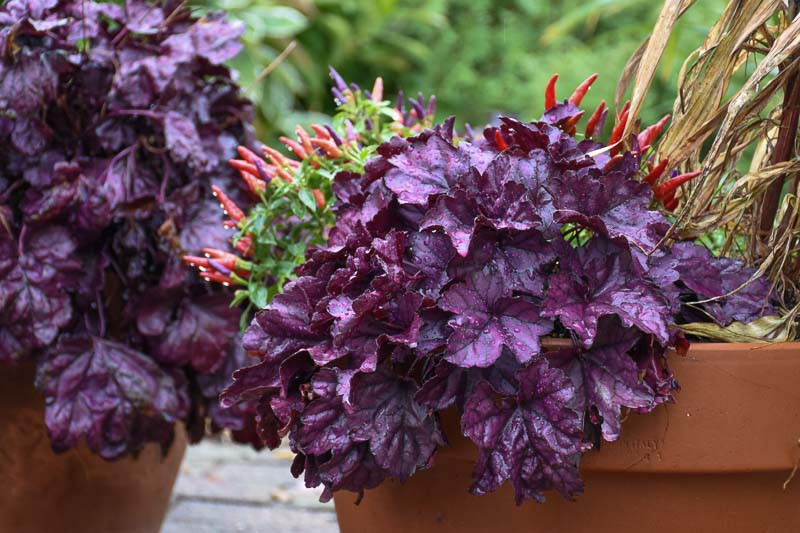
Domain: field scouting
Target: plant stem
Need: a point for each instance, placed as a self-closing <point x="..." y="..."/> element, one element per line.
<point x="784" y="150"/>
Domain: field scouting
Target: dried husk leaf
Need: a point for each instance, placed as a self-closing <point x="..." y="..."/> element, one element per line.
<point x="772" y="328"/>
<point x="715" y="124"/>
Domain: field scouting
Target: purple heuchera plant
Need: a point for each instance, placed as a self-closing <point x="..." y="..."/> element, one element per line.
<point x="449" y="264"/>
<point x="115" y="121"/>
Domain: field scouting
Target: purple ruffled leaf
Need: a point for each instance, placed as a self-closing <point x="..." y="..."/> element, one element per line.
<point x="743" y="299"/>
<point x="599" y="279"/>
<point x="429" y="169"/>
<point x="112" y="396"/>
<point x="284" y="327"/>
<point x="455" y="215"/>
<point x="488" y="319"/>
<point x="35" y="275"/>
<point x="606" y="378"/>
<point x="402" y="433"/>
<point x="198" y="332"/>
<point x="533" y="440"/>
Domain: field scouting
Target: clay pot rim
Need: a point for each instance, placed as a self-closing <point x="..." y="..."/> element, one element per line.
<point x="555" y="343"/>
<point x="744" y="374"/>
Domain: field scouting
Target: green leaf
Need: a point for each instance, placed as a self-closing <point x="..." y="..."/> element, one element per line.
<point x="297" y="209"/>
<point x="239" y="297"/>
<point x="258" y="295"/>
<point x="276" y="21"/>
<point x="245" y="318"/>
<point x="308" y="199"/>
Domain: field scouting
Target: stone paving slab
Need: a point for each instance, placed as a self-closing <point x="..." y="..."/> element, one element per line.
<point x="223" y="487"/>
<point x="217" y="517"/>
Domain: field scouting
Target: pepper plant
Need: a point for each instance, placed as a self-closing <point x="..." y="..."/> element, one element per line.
<point x="293" y="194"/>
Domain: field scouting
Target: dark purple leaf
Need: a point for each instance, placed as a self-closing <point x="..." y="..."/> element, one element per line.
<point x="198" y="333"/>
<point x="105" y="392"/>
<point x="533" y="440"/>
<point x="737" y="296"/>
<point x="455" y="215"/>
<point x="430" y="167"/>
<point x="599" y="279"/>
<point x="606" y="378"/>
<point x="143" y="17"/>
<point x="401" y="432"/>
<point x="285" y="325"/>
<point x="34" y="280"/>
<point x="487" y="319"/>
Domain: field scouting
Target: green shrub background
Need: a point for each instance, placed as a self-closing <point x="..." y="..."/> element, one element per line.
<point x="479" y="57"/>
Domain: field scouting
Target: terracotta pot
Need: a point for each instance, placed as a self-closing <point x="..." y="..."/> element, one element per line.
<point x="75" y="491"/>
<point x="715" y="461"/>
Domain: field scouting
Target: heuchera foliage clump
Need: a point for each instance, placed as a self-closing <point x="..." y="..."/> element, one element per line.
<point x="115" y="121"/>
<point x="449" y="264"/>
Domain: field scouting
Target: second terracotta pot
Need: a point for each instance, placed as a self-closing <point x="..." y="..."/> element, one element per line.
<point x="715" y="461"/>
<point x="76" y="491"/>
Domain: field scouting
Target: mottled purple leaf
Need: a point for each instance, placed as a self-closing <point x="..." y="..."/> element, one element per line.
<point x="401" y="432"/>
<point x="533" y="440"/>
<point x="599" y="279"/>
<point x="34" y="302"/>
<point x="486" y="320"/>
<point x="106" y="393"/>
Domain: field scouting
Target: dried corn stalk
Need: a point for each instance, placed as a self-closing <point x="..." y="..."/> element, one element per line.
<point x="738" y="99"/>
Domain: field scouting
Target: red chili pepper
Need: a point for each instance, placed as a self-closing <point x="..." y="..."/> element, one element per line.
<point x="550" y="93"/>
<point x="305" y="139"/>
<point x="669" y="186"/>
<point x="246" y="154"/>
<point x="230" y="208"/>
<point x="285" y="176"/>
<point x="228" y="224"/>
<point x="319" y="197"/>
<point x="216" y="253"/>
<point x="253" y="183"/>
<point x="197" y="262"/>
<point x="646" y="137"/>
<point x="612" y="162"/>
<point x="570" y="124"/>
<point x="243" y="166"/>
<point x="328" y="146"/>
<point x="321" y="132"/>
<point x="210" y="275"/>
<point x="275" y="156"/>
<point x="244" y="246"/>
<point x="294" y="146"/>
<point x="670" y="195"/>
<point x="654" y="174"/>
<point x="582" y="89"/>
<point x="616" y="133"/>
<point x="595" y="119"/>
<point x="672" y="204"/>
<point x="226" y="261"/>
<point x="377" y="90"/>
<point x="499" y="141"/>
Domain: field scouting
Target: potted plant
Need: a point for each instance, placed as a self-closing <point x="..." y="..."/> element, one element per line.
<point x="487" y="312"/>
<point x="116" y="120"/>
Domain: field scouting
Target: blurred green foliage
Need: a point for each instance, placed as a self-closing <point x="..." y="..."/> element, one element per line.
<point x="480" y="57"/>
